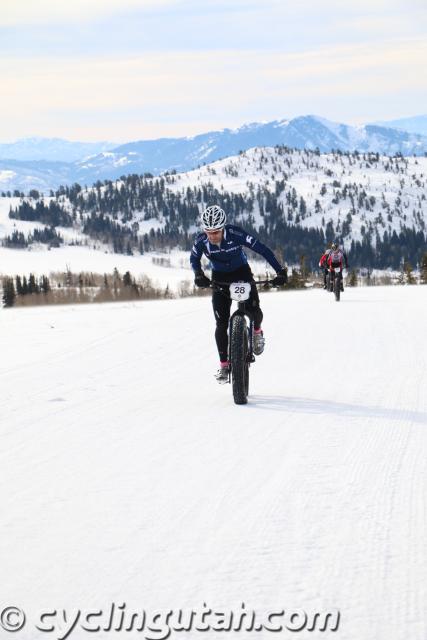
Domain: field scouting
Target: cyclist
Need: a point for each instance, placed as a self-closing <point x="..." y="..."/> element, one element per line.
<point x="323" y="263"/>
<point x="336" y="258"/>
<point x="222" y="243"/>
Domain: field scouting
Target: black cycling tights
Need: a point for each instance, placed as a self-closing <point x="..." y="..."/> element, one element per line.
<point x="221" y="303"/>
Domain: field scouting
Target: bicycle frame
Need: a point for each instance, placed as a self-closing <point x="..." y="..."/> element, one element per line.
<point x="241" y="305"/>
<point x="335" y="279"/>
<point x="249" y="358"/>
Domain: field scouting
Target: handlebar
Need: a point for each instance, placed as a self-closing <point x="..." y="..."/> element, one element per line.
<point x="216" y="284"/>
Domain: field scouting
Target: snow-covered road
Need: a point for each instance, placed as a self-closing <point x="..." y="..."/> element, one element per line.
<point x="128" y="474"/>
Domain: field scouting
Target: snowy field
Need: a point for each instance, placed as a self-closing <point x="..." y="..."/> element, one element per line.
<point x="129" y="476"/>
<point x="77" y="259"/>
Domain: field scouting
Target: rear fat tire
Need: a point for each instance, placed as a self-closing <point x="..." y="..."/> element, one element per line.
<point x="239" y="364"/>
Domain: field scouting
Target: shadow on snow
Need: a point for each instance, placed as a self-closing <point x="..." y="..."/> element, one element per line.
<point x="306" y="405"/>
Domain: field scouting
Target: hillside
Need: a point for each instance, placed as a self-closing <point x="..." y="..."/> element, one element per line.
<point x="294" y="200"/>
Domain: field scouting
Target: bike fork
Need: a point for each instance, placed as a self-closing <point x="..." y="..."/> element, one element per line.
<point x="250" y="356"/>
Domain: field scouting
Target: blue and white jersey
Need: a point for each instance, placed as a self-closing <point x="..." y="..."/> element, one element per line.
<point x="229" y="255"/>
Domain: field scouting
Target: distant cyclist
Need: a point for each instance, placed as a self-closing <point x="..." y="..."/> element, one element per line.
<point x="337" y="258"/>
<point x="323" y="264"/>
<point x="222" y="244"/>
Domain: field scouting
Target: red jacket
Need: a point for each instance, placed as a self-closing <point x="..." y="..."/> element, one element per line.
<point x="336" y="259"/>
<point x="323" y="262"/>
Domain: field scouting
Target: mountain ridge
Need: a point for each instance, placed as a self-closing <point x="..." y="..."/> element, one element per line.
<point x="415" y="124"/>
<point x="37" y="148"/>
<point x="183" y="154"/>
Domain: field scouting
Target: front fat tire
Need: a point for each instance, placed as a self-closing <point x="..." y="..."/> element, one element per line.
<point x="337" y="287"/>
<point x="239" y="364"/>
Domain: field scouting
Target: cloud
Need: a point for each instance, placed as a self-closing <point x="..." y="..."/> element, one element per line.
<point x="128" y="27"/>
<point x="43" y="12"/>
<point x="153" y="95"/>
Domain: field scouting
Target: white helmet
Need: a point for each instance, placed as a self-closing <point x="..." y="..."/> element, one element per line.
<point x="213" y="218"/>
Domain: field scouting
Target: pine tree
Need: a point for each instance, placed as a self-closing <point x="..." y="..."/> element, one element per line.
<point x="304" y="271"/>
<point x="409" y="276"/>
<point x="68" y="278"/>
<point x="9" y="293"/>
<point x="127" y="279"/>
<point x="352" y="282"/>
<point x="116" y="279"/>
<point x="33" y="287"/>
<point x="19" y="289"/>
<point x="44" y="284"/>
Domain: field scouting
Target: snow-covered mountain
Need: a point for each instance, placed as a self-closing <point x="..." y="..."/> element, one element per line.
<point x="308" y="132"/>
<point x="184" y="154"/>
<point x="51" y="149"/>
<point x="416" y="124"/>
<point x="43" y="175"/>
<point x="358" y="197"/>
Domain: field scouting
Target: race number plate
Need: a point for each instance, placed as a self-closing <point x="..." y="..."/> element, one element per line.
<point x="337" y="269"/>
<point x="240" y="291"/>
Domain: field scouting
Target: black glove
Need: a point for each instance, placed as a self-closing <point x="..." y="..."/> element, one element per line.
<point x="281" y="278"/>
<point x="200" y="280"/>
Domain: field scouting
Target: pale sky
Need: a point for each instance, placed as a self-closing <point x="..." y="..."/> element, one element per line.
<point x="125" y="70"/>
